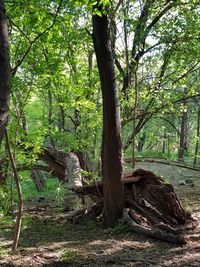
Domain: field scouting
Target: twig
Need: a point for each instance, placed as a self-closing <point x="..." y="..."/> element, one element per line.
<point x="90" y="34"/>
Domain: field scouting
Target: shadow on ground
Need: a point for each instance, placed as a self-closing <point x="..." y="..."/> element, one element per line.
<point x="48" y="239"/>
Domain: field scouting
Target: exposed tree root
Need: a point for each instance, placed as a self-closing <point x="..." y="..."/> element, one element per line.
<point x="166" y="234"/>
<point x="153" y="207"/>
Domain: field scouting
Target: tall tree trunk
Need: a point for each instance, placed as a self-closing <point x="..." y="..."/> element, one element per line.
<point x="183" y="135"/>
<point x="168" y="145"/>
<point x="197" y="140"/>
<point x="164" y="142"/>
<point x="50" y="116"/>
<point x="127" y="76"/>
<point x="62" y="118"/>
<point x="4" y="71"/>
<point x="111" y="143"/>
<point x="96" y="127"/>
<point x="141" y="142"/>
<point x="38" y="180"/>
<point x="134" y="117"/>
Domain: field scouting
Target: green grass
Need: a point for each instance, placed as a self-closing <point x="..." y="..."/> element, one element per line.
<point x="53" y="189"/>
<point x="69" y="255"/>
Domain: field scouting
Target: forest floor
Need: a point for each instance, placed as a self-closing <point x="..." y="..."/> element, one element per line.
<point x="49" y="239"/>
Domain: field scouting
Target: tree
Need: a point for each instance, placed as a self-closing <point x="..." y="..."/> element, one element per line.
<point x="111" y="144"/>
<point x="197" y="138"/>
<point x="155" y="69"/>
<point x="183" y="132"/>
<point x="4" y="71"/>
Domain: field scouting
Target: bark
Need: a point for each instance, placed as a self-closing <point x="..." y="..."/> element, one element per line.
<point x="62" y="118"/>
<point x="141" y="142"/>
<point x="154" y="202"/>
<point x="155" y="232"/>
<point x="183" y="134"/>
<point x="19" y="193"/>
<point x="135" y="116"/>
<point x="152" y="207"/>
<point x="168" y="145"/>
<point x="50" y="116"/>
<point x="38" y="179"/>
<point x="63" y="165"/>
<point x="127" y="76"/>
<point x="50" y="101"/>
<point x="111" y="143"/>
<point x="96" y="129"/>
<point x="55" y="160"/>
<point x="73" y="170"/>
<point x="197" y="141"/>
<point x="4" y="71"/>
<point x="164" y="142"/>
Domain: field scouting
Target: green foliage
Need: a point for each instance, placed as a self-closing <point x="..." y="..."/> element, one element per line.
<point x="4" y="199"/>
<point x="69" y="255"/>
<point x="56" y="97"/>
<point x="53" y="189"/>
<point x="56" y="93"/>
<point x="6" y="222"/>
<point x="61" y="192"/>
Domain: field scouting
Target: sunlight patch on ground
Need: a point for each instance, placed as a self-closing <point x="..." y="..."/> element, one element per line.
<point x="36" y="256"/>
<point x="189" y="259"/>
<point x="120" y="244"/>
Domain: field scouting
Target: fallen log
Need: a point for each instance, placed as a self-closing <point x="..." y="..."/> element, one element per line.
<point x="163" y="161"/>
<point x="153" y="232"/>
<point x="153" y="205"/>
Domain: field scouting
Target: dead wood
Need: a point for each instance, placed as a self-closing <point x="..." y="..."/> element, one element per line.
<point x="154" y="232"/>
<point x="163" y="161"/>
<point x="55" y="160"/>
<point x="153" y="205"/>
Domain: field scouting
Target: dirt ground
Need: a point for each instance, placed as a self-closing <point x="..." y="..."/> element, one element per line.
<point x="49" y="239"/>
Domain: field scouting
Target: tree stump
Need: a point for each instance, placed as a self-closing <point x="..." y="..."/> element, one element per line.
<point x="150" y="204"/>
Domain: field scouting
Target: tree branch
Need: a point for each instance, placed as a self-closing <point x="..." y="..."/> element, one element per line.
<point x="192" y="69"/>
<point x="32" y="42"/>
<point x="19" y="29"/>
<point x="173" y="126"/>
<point x="148" y="115"/>
<point x="159" y="16"/>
